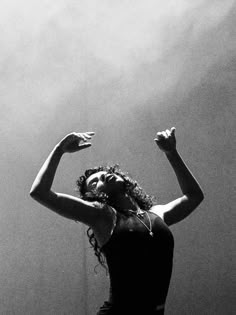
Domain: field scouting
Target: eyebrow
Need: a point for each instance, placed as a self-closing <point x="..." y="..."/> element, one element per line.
<point x="93" y="180"/>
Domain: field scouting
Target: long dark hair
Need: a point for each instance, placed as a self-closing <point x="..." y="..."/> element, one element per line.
<point x="132" y="189"/>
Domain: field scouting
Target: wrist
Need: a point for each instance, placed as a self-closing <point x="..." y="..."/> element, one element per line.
<point x="59" y="150"/>
<point x="171" y="153"/>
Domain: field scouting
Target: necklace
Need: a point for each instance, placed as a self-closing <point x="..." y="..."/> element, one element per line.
<point x="142" y="214"/>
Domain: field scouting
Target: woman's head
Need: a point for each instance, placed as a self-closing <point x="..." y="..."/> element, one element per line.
<point x="105" y="183"/>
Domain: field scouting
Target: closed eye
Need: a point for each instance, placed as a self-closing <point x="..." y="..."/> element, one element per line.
<point x="93" y="184"/>
<point x="95" y="180"/>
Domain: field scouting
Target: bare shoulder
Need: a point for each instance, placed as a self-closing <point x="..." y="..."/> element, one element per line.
<point x="158" y="210"/>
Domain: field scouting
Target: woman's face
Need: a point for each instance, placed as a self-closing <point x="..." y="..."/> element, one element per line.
<point x="108" y="183"/>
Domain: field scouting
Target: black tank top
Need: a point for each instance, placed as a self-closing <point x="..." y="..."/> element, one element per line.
<point x="139" y="264"/>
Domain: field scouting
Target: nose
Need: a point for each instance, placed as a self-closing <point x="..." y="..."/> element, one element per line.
<point x="108" y="176"/>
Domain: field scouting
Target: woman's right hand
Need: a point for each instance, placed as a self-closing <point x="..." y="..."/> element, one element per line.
<point x="74" y="142"/>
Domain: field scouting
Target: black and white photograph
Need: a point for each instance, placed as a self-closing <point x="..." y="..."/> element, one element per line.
<point x="117" y="131"/>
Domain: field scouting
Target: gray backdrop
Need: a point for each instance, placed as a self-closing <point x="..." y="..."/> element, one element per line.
<point x="124" y="69"/>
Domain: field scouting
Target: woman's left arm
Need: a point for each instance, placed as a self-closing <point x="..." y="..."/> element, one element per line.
<point x="180" y="208"/>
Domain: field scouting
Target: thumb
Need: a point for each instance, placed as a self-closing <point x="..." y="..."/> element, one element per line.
<point x="172" y="131"/>
<point x="85" y="145"/>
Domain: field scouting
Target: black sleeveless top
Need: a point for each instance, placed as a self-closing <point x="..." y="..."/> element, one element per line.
<point x="139" y="264"/>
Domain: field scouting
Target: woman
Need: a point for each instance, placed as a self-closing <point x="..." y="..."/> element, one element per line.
<point x="126" y="227"/>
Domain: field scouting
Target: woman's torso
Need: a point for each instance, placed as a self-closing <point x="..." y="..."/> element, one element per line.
<point x="140" y="265"/>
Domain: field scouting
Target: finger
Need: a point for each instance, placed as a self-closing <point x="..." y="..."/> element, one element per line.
<point x="85" y="145"/>
<point x="81" y="136"/>
<point x="172" y="131"/>
<point x="168" y="132"/>
<point x="87" y="136"/>
<point x="159" y="140"/>
<point x="165" y="134"/>
<point x="159" y="135"/>
<point x="90" y="133"/>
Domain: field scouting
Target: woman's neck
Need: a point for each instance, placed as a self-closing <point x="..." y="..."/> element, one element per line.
<point x="123" y="202"/>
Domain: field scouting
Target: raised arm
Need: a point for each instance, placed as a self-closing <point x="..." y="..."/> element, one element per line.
<point x="180" y="208"/>
<point x="63" y="204"/>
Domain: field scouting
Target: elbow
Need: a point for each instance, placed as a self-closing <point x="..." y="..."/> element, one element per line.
<point x="199" y="196"/>
<point x="33" y="194"/>
<point x="36" y="194"/>
<point x="202" y="197"/>
<point x="40" y="195"/>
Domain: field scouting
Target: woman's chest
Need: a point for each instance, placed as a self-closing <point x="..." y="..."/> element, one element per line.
<point x="148" y="230"/>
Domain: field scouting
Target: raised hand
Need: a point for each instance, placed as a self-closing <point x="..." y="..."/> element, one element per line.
<point x="166" y="140"/>
<point x="74" y="141"/>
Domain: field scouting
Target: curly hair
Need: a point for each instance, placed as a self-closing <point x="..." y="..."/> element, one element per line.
<point x="132" y="188"/>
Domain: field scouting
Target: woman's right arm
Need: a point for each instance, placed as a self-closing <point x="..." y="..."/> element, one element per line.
<point x="63" y="204"/>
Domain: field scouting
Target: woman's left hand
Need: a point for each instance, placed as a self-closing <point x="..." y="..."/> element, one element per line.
<point x="166" y="140"/>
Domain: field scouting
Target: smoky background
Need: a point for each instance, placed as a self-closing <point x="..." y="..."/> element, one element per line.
<point x="125" y="70"/>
